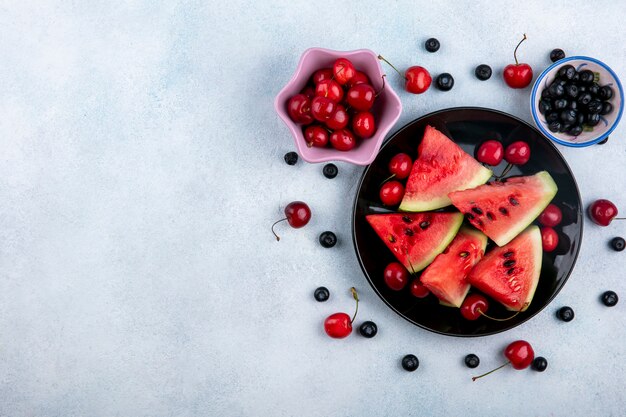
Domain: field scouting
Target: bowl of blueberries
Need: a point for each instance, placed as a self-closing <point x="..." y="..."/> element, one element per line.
<point x="577" y="101"/>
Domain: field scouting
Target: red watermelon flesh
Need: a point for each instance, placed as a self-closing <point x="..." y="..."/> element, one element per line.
<point x="501" y="210"/>
<point x="441" y="167"/>
<point x="446" y="276"/>
<point x="416" y="238"/>
<point x="510" y="274"/>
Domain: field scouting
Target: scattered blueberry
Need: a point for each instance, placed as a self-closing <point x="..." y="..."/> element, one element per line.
<point x="483" y="72"/>
<point x="291" y="158"/>
<point x="410" y="363"/>
<point x="618" y="243"/>
<point x="445" y="82"/>
<point x="609" y="298"/>
<point x="565" y="313"/>
<point x="328" y="239"/>
<point x="321" y="294"/>
<point x="540" y="364"/>
<point x="368" y="329"/>
<point x="472" y="361"/>
<point x="556" y="54"/>
<point x="330" y="171"/>
<point x="432" y="45"/>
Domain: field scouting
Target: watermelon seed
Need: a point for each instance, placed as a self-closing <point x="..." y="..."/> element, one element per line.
<point x="464" y="254"/>
<point x="510" y="262"/>
<point x="508" y="254"/>
<point x="513" y="201"/>
<point x="504" y="211"/>
<point x="477" y="210"/>
<point x="490" y="216"/>
<point x="408" y="232"/>
<point x="424" y="225"/>
<point x="510" y="271"/>
<point x="470" y="216"/>
<point x="407" y="219"/>
<point x="392" y="239"/>
<point x="480" y="223"/>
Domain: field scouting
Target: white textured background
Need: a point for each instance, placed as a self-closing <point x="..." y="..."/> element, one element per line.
<point x="141" y="167"/>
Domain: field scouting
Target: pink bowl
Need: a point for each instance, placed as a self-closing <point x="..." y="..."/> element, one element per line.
<point x="386" y="110"/>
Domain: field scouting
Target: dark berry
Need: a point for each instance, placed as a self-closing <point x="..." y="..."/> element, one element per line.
<point x="472" y="361"/>
<point x="432" y="45"/>
<point x="556" y="54"/>
<point x="571" y="90"/>
<point x="545" y="93"/>
<point x="592" y="119"/>
<point x="594" y="89"/>
<point x="565" y="313"/>
<point x="569" y="116"/>
<point x="618" y="243"/>
<point x="594" y="106"/>
<point x="330" y="171"/>
<point x="575" y="130"/>
<point x="556" y="90"/>
<point x="584" y="98"/>
<point x="560" y="104"/>
<point x="609" y="298"/>
<point x="606" y="92"/>
<point x="552" y="117"/>
<point x="445" y="82"/>
<point x="483" y="72"/>
<point x="606" y="108"/>
<point x="368" y="329"/>
<point x="582" y="89"/>
<point x="603" y="141"/>
<point x="545" y="106"/>
<point x="586" y="77"/>
<point x="540" y="364"/>
<point x="565" y="127"/>
<point x="572" y="105"/>
<point x="410" y="363"/>
<point x="580" y="119"/>
<point x="554" y="126"/>
<point x="291" y="158"/>
<point x="566" y="72"/>
<point x="321" y="294"/>
<point x="328" y="239"/>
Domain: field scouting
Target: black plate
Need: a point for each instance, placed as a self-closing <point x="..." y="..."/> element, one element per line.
<point x="468" y="127"/>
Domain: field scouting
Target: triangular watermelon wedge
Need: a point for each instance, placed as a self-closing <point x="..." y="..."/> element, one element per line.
<point x="441" y="168"/>
<point x="502" y="209"/>
<point x="416" y="238"/>
<point x="510" y="274"/>
<point x="446" y="276"/>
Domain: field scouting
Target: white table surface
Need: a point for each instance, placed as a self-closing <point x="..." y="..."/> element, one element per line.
<point x="141" y="166"/>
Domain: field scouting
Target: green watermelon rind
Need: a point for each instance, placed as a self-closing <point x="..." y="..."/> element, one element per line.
<point x="454" y="229"/>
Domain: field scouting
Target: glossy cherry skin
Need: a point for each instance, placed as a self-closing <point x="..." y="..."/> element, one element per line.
<point x="518" y="75"/>
<point x="309" y="92"/>
<point x="338" y="325"/>
<point x="602" y="212"/>
<point x="361" y="97"/>
<point x="343" y="70"/>
<point x="418" y="289"/>
<point x="473" y="305"/>
<point x="520" y="354"/>
<point x="517" y="153"/>
<point x="418" y="80"/>
<point x="490" y="152"/>
<point x="549" y="239"/>
<point x="330" y="89"/>
<point x="298" y="214"/>
<point x="359" y="78"/>
<point x="321" y="75"/>
<point x="551" y="216"/>
<point x="299" y="109"/>
<point x="363" y="124"/>
<point x="316" y="136"/>
<point x="339" y="119"/>
<point x="342" y="140"/>
<point x="391" y="193"/>
<point x="400" y="165"/>
<point x="396" y="276"/>
<point x="322" y="108"/>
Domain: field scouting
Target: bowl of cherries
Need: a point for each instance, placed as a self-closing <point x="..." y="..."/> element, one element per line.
<point x="338" y="106"/>
<point x="577" y="101"/>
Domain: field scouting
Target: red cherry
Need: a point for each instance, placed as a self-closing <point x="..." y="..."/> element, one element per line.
<point x="473" y="305"/>
<point x="518" y="75"/>
<point x="551" y="216"/>
<point x="396" y="276"/>
<point x="602" y="212"/>
<point x="342" y="140"/>
<point x="343" y="70"/>
<point x="339" y="119"/>
<point x="361" y="97"/>
<point x="309" y="92"/>
<point x="359" y="78"/>
<point x="517" y="153"/>
<point x="490" y="152"/>
<point x="391" y="193"/>
<point x="316" y="136"/>
<point x="339" y="325"/>
<point x="322" y="108"/>
<point x="297" y="214"/>
<point x="330" y="89"/>
<point x="418" y="80"/>
<point x="520" y="355"/>
<point x="549" y="239"/>
<point x="363" y="124"/>
<point x="400" y="165"/>
<point x="299" y="109"/>
<point x="418" y="289"/>
<point x="321" y="75"/>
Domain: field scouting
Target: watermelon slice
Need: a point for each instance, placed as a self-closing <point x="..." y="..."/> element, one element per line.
<point x="501" y="210"/>
<point x="416" y="238"/>
<point x="441" y="167"/>
<point x="510" y="274"/>
<point x="446" y="276"/>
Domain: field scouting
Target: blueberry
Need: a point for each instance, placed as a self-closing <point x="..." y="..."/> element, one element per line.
<point x="594" y="106"/>
<point x="321" y="294"/>
<point x="609" y="298"/>
<point x="580" y="119"/>
<point x="594" y="89"/>
<point x="582" y="89"/>
<point x="328" y="239"/>
<point x="572" y="105"/>
<point x="556" y="90"/>
<point x="432" y="45"/>
<point x="291" y="158"/>
<point x="472" y="361"/>
<point x="445" y="82"/>
<point x="569" y="116"/>
<point x="618" y="243"/>
<point x="368" y="329"/>
<point x="410" y="363"/>
<point x="571" y="90"/>
<point x="586" y="77"/>
<point x="605" y="93"/>
<point x="545" y="93"/>
<point x="576" y="77"/>
<point x="592" y="119"/>
<point x="566" y="72"/>
<point x="565" y="313"/>
<point x="554" y="126"/>
<point x="575" y="130"/>
<point x="556" y="54"/>
<point x="545" y="106"/>
<point x="560" y="104"/>
<point x="540" y="364"/>
<point x="483" y="72"/>
<point x="561" y="81"/>
<point x="330" y="171"/>
<point x="565" y="127"/>
<point x="552" y="117"/>
<point x="606" y="108"/>
<point x="603" y="141"/>
<point x="584" y="98"/>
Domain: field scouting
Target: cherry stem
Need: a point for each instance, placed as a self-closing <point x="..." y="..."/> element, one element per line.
<point x="515" y="51"/>
<point x="619" y="218"/>
<point x="508" y="318"/>
<point x="506" y="171"/>
<point x="383" y="87"/>
<point x="474" y="378"/>
<point x="391" y="65"/>
<point x="356" y="298"/>
<point x="388" y="178"/>
<point x="281" y="220"/>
